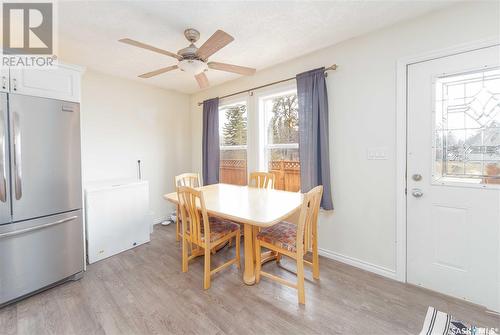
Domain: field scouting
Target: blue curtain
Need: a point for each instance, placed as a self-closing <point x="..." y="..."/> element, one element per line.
<point x="211" y="150"/>
<point x="313" y="134"/>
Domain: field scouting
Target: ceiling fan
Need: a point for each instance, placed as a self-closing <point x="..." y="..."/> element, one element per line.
<point x="193" y="59"/>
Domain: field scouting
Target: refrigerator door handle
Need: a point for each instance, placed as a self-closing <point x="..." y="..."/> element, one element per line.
<point x="23" y="231"/>
<point x="3" y="177"/>
<point x="17" y="157"/>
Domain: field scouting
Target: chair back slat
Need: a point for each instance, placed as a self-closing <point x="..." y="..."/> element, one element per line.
<point x="188" y="179"/>
<point x="308" y="236"/>
<point x="261" y="179"/>
<point x="308" y="219"/>
<point x="189" y="199"/>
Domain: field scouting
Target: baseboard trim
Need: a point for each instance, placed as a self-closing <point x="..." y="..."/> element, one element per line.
<point x="377" y="269"/>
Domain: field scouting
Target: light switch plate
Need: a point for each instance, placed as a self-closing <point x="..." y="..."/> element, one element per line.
<point x="376" y="153"/>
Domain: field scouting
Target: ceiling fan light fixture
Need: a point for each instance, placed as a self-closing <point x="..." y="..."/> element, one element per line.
<point x="192" y="59"/>
<point x="192" y="66"/>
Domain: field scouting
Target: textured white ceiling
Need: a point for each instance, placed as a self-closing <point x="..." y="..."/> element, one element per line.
<point x="266" y="32"/>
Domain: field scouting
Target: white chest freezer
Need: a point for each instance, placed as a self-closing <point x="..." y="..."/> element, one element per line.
<point x="117" y="217"/>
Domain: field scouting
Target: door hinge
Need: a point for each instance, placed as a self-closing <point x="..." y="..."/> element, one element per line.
<point x="406" y="191"/>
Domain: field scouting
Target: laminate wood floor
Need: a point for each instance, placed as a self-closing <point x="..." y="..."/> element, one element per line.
<point x="143" y="291"/>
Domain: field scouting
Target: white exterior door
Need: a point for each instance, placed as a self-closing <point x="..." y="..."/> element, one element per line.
<point x="453" y="175"/>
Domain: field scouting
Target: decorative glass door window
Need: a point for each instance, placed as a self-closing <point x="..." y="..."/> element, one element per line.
<point x="467" y="127"/>
<point x="233" y="143"/>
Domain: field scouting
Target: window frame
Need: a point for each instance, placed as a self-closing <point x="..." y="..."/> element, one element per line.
<point x="228" y="102"/>
<point x="257" y="146"/>
<point x="264" y="146"/>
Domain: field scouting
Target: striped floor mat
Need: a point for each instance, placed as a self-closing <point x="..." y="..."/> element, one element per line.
<point x="439" y="323"/>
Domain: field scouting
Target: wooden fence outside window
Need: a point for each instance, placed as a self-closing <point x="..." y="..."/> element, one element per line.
<point x="287" y="173"/>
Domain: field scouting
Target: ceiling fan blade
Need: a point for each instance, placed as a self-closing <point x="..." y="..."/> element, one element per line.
<point x="159" y="71"/>
<point x="246" y="71"/>
<point x="216" y="42"/>
<point x="149" y="47"/>
<point x="202" y="80"/>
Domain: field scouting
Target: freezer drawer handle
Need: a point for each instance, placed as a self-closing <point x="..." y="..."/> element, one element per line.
<point x="17" y="157"/>
<point x="23" y="231"/>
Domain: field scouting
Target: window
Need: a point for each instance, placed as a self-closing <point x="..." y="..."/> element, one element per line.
<point x="467" y="127"/>
<point x="280" y="149"/>
<point x="233" y="143"/>
<point x="260" y="132"/>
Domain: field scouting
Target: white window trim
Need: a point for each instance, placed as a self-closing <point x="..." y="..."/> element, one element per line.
<point x="233" y="147"/>
<point x="283" y="146"/>
<point x="228" y="103"/>
<point x="263" y="146"/>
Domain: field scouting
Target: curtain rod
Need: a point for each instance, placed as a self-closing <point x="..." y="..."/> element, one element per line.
<point x="331" y="68"/>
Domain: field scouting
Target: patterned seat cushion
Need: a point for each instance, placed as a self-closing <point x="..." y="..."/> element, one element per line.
<point x="283" y="235"/>
<point x="219" y="228"/>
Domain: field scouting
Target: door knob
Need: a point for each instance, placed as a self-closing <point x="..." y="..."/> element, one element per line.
<point x="417" y="193"/>
<point x="417" y="177"/>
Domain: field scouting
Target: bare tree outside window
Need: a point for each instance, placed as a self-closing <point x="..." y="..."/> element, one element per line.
<point x="284" y="124"/>
<point x="282" y="136"/>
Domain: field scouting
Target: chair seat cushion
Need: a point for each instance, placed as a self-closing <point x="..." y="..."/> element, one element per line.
<point x="282" y="235"/>
<point x="219" y="228"/>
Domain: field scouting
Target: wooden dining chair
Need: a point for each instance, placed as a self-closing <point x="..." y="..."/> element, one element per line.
<point x="293" y="240"/>
<point x="261" y="179"/>
<point x="186" y="179"/>
<point x="203" y="232"/>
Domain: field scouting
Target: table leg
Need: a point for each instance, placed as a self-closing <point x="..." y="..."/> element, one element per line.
<point x="249" y="274"/>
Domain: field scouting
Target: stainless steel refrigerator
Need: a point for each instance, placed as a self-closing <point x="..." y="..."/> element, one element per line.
<point x="41" y="231"/>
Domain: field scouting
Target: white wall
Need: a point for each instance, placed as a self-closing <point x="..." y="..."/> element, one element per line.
<point x="123" y="121"/>
<point x="362" y="100"/>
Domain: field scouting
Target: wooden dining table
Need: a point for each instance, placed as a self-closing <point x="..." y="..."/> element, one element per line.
<point x="253" y="207"/>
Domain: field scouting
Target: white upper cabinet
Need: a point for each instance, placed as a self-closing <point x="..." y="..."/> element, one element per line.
<point x="61" y="82"/>
<point x="4" y="79"/>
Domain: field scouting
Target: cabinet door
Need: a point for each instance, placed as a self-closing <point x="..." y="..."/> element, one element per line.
<point x="61" y="82"/>
<point x="4" y="79"/>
